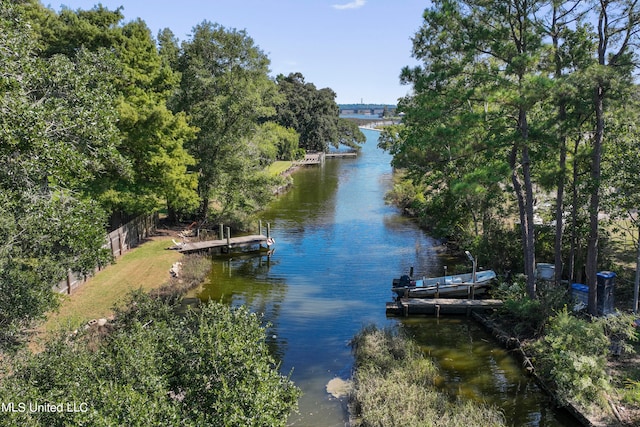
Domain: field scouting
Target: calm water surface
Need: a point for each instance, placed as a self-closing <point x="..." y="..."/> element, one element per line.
<point x="338" y="246"/>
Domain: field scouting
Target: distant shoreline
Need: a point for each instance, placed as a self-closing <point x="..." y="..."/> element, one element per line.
<point x="370" y="128"/>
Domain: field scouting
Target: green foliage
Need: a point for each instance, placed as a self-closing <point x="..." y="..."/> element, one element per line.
<point x="524" y="314"/>
<point x="395" y="386"/>
<point x="275" y="142"/>
<point x="57" y="136"/>
<point x="527" y="317"/>
<point x="502" y="107"/>
<point x="349" y="134"/>
<point x="631" y="392"/>
<point x="151" y="367"/>
<point x="573" y="354"/>
<point x="314" y="114"/>
<point x="225" y="90"/>
<point x="151" y="136"/>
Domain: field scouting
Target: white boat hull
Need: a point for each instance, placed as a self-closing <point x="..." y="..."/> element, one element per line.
<point x="457" y="286"/>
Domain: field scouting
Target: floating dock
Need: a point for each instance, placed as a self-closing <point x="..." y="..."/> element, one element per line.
<point x="438" y="306"/>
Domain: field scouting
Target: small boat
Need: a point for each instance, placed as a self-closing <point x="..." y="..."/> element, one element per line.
<point x="455" y="286"/>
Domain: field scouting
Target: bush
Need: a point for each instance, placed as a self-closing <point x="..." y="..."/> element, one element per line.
<point x="527" y="317"/>
<point x="210" y="366"/>
<point x="573" y="354"/>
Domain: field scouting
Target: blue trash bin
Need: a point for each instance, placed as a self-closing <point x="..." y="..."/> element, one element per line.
<point x="580" y="294"/>
<point x="606" y="287"/>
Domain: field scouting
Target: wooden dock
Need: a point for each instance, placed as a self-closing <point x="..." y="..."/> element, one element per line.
<point x="311" y="159"/>
<point x="317" y="158"/>
<point x="438" y="306"/>
<point x="233" y="242"/>
<point x="342" y="154"/>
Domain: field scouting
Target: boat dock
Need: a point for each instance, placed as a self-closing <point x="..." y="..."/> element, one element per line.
<point x="234" y="242"/>
<point x="438" y="306"/>
<point x="316" y="158"/>
<point x="342" y="154"/>
<point x="225" y="242"/>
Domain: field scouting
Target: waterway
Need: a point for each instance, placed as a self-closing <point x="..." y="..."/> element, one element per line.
<point x="338" y="246"/>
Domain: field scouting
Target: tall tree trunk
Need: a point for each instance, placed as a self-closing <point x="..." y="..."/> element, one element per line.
<point x="559" y="204"/>
<point x="524" y="195"/>
<point x="636" y="283"/>
<point x="562" y="117"/>
<point x="574" y="215"/>
<point x="529" y="249"/>
<point x="594" y="204"/>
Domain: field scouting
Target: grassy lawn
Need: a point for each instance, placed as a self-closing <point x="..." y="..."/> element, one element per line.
<point x="277" y="167"/>
<point x="146" y="266"/>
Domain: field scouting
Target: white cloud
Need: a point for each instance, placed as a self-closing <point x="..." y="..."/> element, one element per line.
<point x="353" y="5"/>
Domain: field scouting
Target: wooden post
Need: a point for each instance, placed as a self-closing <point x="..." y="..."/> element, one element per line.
<point x="437" y="289"/>
<point x="260" y="227"/>
<point x="121" y="246"/>
<point x="69" y="281"/>
<point x="268" y="230"/>
<point x="438" y="311"/>
<point x="411" y="272"/>
<point x="221" y="231"/>
<point x="229" y="237"/>
<point x="113" y="249"/>
<point x="406" y="309"/>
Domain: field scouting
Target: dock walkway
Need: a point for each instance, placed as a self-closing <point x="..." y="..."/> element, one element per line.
<point x="234" y="242"/>
<point x="310" y="159"/>
<point x="342" y="154"/>
<point x="316" y="158"/>
<point x="438" y="306"/>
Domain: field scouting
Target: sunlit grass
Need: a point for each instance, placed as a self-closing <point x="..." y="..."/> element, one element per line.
<point x="278" y="167"/>
<point x="146" y="266"/>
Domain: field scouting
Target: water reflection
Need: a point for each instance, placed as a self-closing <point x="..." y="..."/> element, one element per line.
<point x="338" y="247"/>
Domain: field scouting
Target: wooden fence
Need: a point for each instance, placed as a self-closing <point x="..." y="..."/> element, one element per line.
<point x="118" y="242"/>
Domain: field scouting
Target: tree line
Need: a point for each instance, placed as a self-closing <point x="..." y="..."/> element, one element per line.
<point x="515" y="102"/>
<point x="101" y="122"/>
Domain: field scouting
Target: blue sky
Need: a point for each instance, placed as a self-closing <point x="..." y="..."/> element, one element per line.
<point x="355" y="47"/>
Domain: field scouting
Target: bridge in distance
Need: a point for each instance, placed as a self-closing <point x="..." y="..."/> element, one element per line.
<point x="375" y="110"/>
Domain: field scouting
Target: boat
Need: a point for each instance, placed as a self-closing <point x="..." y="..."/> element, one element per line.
<point x="454" y="286"/>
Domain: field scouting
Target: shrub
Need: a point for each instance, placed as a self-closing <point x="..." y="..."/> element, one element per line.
<point x="573" y="354"/>
<point x="210" y="366"/>
<point x="527" y="317"/>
